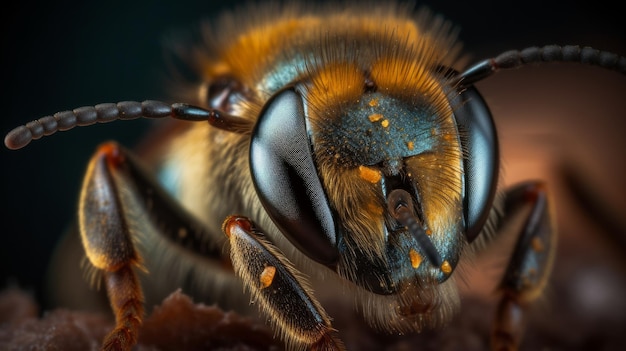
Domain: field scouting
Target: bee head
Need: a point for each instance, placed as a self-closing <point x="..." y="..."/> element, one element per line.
<point x="381" y="188"/>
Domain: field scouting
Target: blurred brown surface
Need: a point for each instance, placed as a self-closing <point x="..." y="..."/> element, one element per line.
<point x="565" y="124"/>
<point x="177" y="324"/>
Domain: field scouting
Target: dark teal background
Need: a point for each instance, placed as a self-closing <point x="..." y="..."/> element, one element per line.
<point x="70" y="54"/>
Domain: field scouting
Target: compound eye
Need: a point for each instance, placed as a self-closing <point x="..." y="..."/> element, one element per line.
<point x="286" y="178"/>
<point x="481" y="160"/>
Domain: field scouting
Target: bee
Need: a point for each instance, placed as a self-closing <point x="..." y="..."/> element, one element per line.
<point x="345" y="151"/>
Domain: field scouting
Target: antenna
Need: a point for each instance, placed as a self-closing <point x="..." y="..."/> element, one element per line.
<point x="108" y="112"/>
<point x="532" y="55"/>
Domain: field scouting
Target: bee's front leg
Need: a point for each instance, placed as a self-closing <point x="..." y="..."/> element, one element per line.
<point x="282" y="293"/>
<point x="120" y="202"/>
<point x="530" y="265"/>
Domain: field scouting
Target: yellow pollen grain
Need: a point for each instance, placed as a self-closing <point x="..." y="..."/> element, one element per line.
<point x="446" y="268"/>
<point x="373" y="102"/>
<point x="385" y="123"/>
<point x="416" y="258"/>
<point x="375" y="117"/>
<point x="369" y="174"/>
<point x="537" y="244"/>
<point x="267" y="276"/>
<point x="410" y="145"/>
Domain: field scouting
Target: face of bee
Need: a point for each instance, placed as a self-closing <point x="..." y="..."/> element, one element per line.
<point x="359" y="157"/>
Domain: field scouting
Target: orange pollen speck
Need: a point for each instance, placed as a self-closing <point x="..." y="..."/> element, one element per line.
<point x="385" y="123"/>
<point x="416" y="258"/>
<point x="410" y="145"/>
<point x="429" y="232"/>
<point x="369" y="174"/>
<point x="448" y="137"/>
<point x="537" y="244"/>
<point x="373" y="103"/>
<point x="375" y="117"/>
<point x="267" y="276"/>
<point x="446" y="268"/>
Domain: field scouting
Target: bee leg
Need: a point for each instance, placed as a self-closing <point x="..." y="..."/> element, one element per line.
<point x="118" y="203"/>
<point x="283" y="293"/>
<point x="530" y="266"/>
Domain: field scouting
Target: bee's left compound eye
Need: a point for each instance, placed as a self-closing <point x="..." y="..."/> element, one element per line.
<point x="482" y="160"/>
<point x="286" y="179"/>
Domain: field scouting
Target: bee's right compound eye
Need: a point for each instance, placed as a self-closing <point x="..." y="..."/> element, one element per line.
<point x="286" y="178"/>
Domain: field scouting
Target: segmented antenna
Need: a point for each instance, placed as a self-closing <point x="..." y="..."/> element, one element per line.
<point x="548" y="53"/>
<point x="102" y="113"/>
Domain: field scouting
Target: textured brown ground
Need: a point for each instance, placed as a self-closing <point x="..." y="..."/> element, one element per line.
<point x="177" y="324"/>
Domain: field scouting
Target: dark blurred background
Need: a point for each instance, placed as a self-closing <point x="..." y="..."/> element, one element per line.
<point x="62" y="55"/>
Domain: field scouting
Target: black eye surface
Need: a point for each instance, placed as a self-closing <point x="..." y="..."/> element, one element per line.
<point x="286" y="179"/>
<point x="482" y="159"/>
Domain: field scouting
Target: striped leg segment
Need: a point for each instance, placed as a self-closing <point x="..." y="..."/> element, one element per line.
<point x="120" y="202"/>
